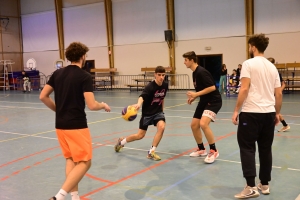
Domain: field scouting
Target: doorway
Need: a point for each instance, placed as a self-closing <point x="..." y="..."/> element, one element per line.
<point x="213" y="64"/>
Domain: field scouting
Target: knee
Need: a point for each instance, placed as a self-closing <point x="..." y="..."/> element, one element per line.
<point x="161" y="126"/>
<point x="203" y="125"/>
<point x="140" y="136"/>
<point x="195" y="126"/>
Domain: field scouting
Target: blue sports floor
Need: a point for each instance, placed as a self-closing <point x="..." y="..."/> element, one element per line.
<point x="32" y="166"/>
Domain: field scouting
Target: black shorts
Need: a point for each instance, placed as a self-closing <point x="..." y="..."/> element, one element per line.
<point x="208" y="109"/>
<point x="151" y="120"/>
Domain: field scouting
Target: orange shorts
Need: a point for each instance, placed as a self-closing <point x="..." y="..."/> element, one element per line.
<point x="75" y="143"/>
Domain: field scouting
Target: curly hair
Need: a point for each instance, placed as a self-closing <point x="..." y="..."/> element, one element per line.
<point x="75" y="51"/>
<point x="191" y="55"/>
<point x="260" y="41"/>
<point x="272" y="60"/>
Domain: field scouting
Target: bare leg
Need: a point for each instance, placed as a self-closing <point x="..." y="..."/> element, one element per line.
<point x="281" y="117"/>
<point x="140" y="135"/>
<point x="204" y="124"/>
<point x="160" y="130"/>
<point x="75" y="175"/>
<point x="195" y="126"/>
<point x="70" y="164"/>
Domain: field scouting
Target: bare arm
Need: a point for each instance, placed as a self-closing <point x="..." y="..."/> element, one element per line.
<point x="282" y="85"/>
<point x="139" y="103"/>
<point x="244" y="90"/>
<point x="92" y="104"/>
<point x="46" y="99"/>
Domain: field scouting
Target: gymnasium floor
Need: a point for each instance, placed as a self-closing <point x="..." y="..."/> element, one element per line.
<point x="32" y="166"/>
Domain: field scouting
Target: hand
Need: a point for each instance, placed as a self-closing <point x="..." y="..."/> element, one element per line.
<point x="106" y="107"/>
<point x="235" y="118"/>
<point x="191" y="94"/>
<point x="136" y="106"/>
<point x="190" y="100"/>
<point x="277" y="119"/>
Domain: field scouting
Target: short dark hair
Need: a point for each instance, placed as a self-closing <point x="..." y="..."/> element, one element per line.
<point x="160" y="69"/>
<point x="272" y="60"/>
<point x="191" y="55"/>
<point x="260" y="41"/>
<point x="75" y="51"/>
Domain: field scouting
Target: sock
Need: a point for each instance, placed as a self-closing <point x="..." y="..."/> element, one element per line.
<point x="264" y="182"/>
<point x="213" y="146"/>
<point x="250" y="181"/>
<point x="201" y="146"/>
<point x="61" y="195"/>
<point x="124" y="141"/>
<point x="75" y="195"/>
<point x="283" y="123"/>
<point x="152" y="149"/>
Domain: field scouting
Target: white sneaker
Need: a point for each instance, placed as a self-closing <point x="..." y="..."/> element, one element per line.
<point x="284" y="128"/>
<point x="198" y="153"/>
<point x="210" y="158"/>
<point x="248" y="192"/>
<point x="265" y="189"/>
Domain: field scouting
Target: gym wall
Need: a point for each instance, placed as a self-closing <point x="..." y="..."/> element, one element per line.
<point x="139" y="31"/>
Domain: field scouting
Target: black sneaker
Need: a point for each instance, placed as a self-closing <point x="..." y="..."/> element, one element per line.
<point x="24" y="91"/>
<point x="53" y="198"/>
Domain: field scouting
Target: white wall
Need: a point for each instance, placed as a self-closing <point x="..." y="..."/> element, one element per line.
<point x="44" y="60"/>
<point x="139" y="31"/>
<point x="131" y="58"/>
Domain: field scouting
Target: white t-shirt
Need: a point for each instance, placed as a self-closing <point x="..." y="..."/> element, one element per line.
<point x="264" y="78"/>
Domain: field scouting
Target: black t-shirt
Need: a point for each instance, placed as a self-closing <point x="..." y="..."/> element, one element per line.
<point x="25" y="76"/>
<point x="69" y="84"/>
<point x="153" y="96"/>
<point x="223" y="72"/>
<point x="203" y="79"/>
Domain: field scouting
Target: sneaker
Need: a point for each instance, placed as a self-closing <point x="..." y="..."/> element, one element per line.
<point x="24" y="91"/>
<point x="118" y="146"/>
<point x="153" y="156"/>
<point x="210" y="158"/>
<point x="248" y="192"/>
<point x="53" y="198"/>
<point x="284" y="128"/>
<point x="265" y="189"/>
<point x="199" y="153"/>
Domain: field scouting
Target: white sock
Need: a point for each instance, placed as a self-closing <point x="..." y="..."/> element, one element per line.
<point x="61" y="195"/>
<point x="152" y="149"/>
<point x="75" y="195"/>
<point x="124" y="141"/>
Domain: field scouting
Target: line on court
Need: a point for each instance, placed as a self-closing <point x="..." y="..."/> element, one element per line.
<point x="148" y="168"/>
<point x="186" y="178"/>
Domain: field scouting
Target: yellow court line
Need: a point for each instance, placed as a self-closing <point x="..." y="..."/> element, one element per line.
<point x="53" y="130"/>
<point x="176" y="105"/>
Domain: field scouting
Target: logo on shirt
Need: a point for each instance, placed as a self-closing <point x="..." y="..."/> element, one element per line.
<point x="158" y="97"/>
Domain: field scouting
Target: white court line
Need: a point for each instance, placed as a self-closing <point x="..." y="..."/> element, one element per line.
<point x="136" y="149"/>
<point x="28" y="135"/>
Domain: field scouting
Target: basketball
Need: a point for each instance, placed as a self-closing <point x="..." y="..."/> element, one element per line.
<point x="129" y="113"/>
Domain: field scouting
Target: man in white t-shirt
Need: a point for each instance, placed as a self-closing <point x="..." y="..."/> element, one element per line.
<point x="259" y="112"/>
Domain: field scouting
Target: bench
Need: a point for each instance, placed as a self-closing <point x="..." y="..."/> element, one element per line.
<point x="137" y="86"/>
<point x="103" y="76"/>
<point x="147" y="73"/>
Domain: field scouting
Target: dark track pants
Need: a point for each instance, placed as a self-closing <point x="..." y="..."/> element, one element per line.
<point x="252" y="128"/>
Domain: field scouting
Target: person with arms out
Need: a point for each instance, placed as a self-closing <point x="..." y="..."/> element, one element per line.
<point x="285" y="125"/>
<point x="209" y="105"/>
<point x="223" y="79"/>
<point x="73" y="88"/>
<point x="152" y="99"/>
<point x="259" y="113"/>
<point x="26" y="82"/>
